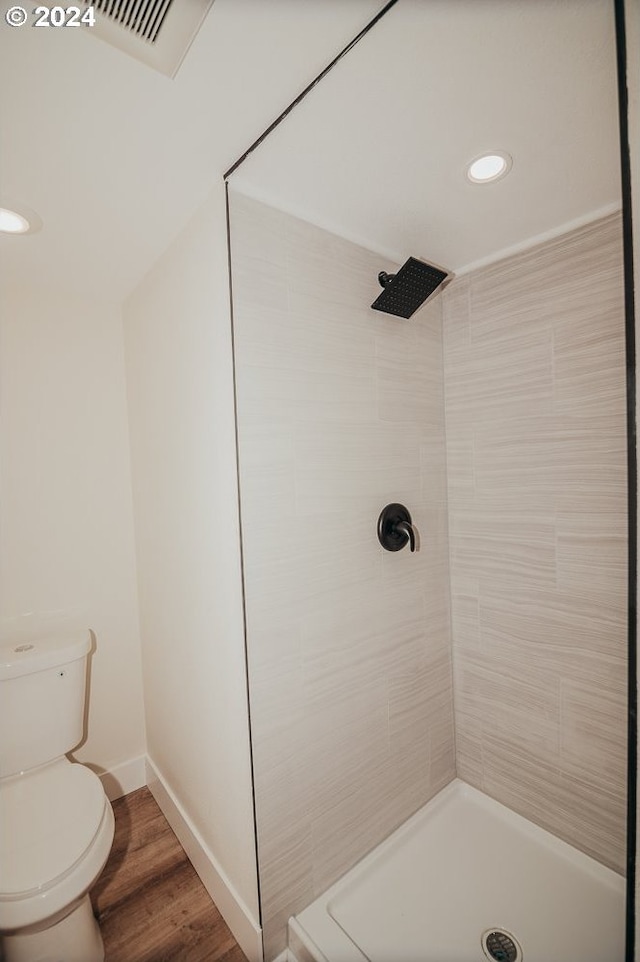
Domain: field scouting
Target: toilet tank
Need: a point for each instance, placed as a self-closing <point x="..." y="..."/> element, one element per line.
<point x="42" y="699"/>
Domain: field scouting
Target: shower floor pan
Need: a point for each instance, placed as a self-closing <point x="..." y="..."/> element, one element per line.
<point x="466" y="880"/>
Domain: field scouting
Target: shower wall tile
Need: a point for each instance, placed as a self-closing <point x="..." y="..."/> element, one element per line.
<point x="493" y="545"/>
<point x="592" y="553"/>
<point x="589" y="735"/>
<point x="340" y="411"/>
<point x="536" y="467"/>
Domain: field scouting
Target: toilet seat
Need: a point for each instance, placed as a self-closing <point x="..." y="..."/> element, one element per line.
<point x="56" y="831"/>
<point x="49" y="818"/>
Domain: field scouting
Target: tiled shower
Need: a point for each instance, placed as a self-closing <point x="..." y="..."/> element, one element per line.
<point x="536" y="431"/>
<point x="498" y="651"/>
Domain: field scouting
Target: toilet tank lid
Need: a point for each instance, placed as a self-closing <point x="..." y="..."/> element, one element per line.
<point x="26" y="657"/>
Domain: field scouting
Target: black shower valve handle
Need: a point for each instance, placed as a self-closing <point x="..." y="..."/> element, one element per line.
<point x="396" y="529"/>
<point x="409" y="530"/>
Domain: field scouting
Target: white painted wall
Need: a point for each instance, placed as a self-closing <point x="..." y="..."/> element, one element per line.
<point x="67" y="550"/>
<point x="180" y="392"/>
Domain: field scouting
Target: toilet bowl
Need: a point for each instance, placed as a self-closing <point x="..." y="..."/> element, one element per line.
<point x="57" y="824"/>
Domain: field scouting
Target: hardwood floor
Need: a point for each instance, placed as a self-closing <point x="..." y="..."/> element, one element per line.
<point x="149" y="901"/>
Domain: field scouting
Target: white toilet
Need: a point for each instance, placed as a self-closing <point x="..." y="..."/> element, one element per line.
<point x="56" y="823"/>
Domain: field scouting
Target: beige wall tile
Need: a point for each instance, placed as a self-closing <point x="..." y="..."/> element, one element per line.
<point x="340" y="411"/>
<point x="536" y="449"/>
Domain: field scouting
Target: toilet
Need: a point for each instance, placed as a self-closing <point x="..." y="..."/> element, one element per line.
<point x="56" y="823"/>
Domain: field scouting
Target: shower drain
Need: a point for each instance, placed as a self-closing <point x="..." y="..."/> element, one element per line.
<point x="500" y="946"/>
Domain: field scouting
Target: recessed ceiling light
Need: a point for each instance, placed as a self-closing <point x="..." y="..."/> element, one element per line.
<point x="19" y="221"/>
<point x="12" y="223"/>
<point x="488" y="167"/>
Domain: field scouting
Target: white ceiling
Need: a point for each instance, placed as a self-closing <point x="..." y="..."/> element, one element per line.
<point x="378" y="151"/>
<point x="115" y="158"/>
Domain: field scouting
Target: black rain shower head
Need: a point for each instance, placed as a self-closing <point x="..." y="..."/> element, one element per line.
<point x="410" y="288"/>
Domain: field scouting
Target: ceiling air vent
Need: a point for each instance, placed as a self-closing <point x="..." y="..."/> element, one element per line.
<point x="156" y="32"/>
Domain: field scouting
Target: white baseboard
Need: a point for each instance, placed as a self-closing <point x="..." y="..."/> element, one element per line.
<point x="246" y="931"/>
<point x="124" y="778"/>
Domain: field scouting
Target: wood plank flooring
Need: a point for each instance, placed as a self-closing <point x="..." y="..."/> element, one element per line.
<point x="149" y="901"/>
